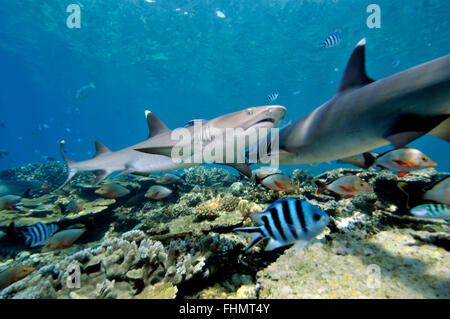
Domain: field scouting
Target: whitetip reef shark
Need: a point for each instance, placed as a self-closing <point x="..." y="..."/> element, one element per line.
<point x="130" y="161"/>
<point x="365" y="114"/>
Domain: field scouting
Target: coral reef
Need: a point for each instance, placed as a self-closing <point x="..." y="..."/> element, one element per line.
<point x="136" y="247"/>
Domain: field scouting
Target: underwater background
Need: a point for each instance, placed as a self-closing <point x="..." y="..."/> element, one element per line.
<point x="332" y="230"/>
<point x="183" y="60"/>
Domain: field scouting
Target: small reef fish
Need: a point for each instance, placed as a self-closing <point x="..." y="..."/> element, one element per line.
<point x="85" y="90"/>
<point x="285" y="222"/>
<point x="38" y="234"/>
<point x="364" y="160"/>
<point x="112" y="190"/>
<point x="73" y="207"/>
<point x="13" y="274"/>
<point x="395" y="63"/>
<point x="431" y="211"/>
<point x="19" y="187"/>
<point x="272" y="97"/>
<point x="8" y="202"/>
<point x="260" y="173"/>
<point x="348" y="186"/>
<point x="168" y="178"/>
<point x="3" y="154"/>
<point x="63" y="239"/>
<point x="277" y="182"/>
<point x="331" y="41"/>
<point x="404" y="160"/>
<point x="158" y="192"/>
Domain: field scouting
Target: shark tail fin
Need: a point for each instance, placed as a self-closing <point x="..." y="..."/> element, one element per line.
<point x="321" y="186"/>
<point x="69" y="164"/>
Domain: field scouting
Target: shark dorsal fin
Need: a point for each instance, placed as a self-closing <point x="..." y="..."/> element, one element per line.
<point x="155" y="125"/>
<point x="100" y="149"/>
<point x="355" y="71"/>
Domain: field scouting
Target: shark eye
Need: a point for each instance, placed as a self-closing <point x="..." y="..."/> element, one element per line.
<point x="249" y="111"/>
<point x="316" y="217"/>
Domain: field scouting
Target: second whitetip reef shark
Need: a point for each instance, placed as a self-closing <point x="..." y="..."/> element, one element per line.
<point x="365" y="114"/>
<point x="131" y="161"/>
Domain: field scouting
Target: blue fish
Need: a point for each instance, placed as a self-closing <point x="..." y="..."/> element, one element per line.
<point x="431" y="211"/>
<point x="333" y="40"/>
<point x="38" y="234"/>
<point x="286" y="221"/>
<point x="271" y="97"/>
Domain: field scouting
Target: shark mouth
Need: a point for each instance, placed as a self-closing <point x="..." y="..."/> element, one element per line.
<point x="264" y="123"/>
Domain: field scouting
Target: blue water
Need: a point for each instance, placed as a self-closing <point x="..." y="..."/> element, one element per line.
<point x="190" y="63"/>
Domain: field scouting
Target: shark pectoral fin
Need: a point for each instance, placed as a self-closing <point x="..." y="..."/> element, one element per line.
<point x="163" y="150"/>
<point x="100" y="175"/>
<point x="155" y="125"/>
<point x="100" y="149"/>
<point x="402" y="139"/>
<point x="355" y="72"/>
<point x="409" y="127"/>
<point x="273" y="244"/>
<point x="126" y="172"/>
<point x="442" y="130"/>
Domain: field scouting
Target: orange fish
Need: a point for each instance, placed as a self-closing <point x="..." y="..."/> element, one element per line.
<point x="168" y="178"/>
<point x="348" y="186"/>
<point x="112" y="190"/>
<point x="277" y="182"/>
<point x="158" y="192"/>
<point x="404" y="160"/>
<point x="63" y="239"/>
<point x="13" y="274"/>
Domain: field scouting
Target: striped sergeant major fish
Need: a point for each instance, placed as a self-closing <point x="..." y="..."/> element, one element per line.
<point x="272" y="97"/>
<point x="38" y="234"/>
<point x="431" y="211"/>
<point x="285" y="222"/>
<point x="331" y="41"/>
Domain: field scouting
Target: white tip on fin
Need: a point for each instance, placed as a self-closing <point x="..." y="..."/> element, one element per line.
<point x="362" y="42"/>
